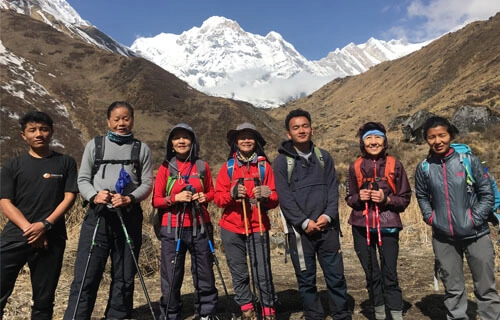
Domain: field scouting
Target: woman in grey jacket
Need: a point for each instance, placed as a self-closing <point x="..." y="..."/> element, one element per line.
<point x="458" y="215"/>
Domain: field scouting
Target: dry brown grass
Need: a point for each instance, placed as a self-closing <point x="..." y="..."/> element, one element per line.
<point x="416" y="256"/>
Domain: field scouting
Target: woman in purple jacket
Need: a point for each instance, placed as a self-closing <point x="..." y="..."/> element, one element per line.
<point x="378" y="191"/>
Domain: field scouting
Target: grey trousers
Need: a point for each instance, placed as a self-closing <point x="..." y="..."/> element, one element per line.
<point x="235" y="247"/>
<point x="480" y="258"/>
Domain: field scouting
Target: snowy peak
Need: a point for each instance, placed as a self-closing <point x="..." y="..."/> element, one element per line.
<point x="57" y="10"/>
<point x="61" y="16"/>
<point x="220" y="58"/>
<point x="220" y="23"/>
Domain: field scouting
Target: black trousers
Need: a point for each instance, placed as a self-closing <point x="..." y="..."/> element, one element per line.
<point x="385" y="283"/>
<point x="110" y="241"/>
<point x="45" y="267"/>
<point x="325" y="248"/>
<point x="202" y="260"/>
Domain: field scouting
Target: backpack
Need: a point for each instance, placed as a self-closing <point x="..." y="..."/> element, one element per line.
<point x="172" y="168"/>
<point x="156" y="216"/>
<point x="494" y="217"/>
<point x="134" y="157"/>
<point x="262" y="168"/>
<point x="389" y="174"/>
<point x="465" y="152"/>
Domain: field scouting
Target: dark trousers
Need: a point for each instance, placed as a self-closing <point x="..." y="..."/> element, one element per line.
<point x="110" y="241"/>
<point x="202" y="260"/>
<point x="326" y="247"/>
<point x="235" y="248"/>
<point x="45" y="267"/>
<point x="384" y="285"/>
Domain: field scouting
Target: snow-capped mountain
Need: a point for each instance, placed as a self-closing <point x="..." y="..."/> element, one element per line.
<point x="60" y="15"/>
<point x="222" y="59"/>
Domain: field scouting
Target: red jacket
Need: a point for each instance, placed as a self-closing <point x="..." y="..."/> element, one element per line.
<point x="232" y="216"/>
<point x="166" y="203"/>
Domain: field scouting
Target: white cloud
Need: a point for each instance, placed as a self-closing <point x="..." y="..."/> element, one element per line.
<point x="438" y="17"/>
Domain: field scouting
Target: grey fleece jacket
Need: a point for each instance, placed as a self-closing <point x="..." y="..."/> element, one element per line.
<point x="107" y="175"/>
<point x="454" y="210"/>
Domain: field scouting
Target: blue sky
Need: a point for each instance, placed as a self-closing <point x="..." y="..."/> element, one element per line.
<point x="313" y="27"/>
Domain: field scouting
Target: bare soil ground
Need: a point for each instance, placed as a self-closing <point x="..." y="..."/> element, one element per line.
<point x="422" y="301"/>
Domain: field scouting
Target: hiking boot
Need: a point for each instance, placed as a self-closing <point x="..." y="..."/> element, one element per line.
<point x="380" y="312"/>
<point x="249" y="315"/>
<point x="397" y="314"/>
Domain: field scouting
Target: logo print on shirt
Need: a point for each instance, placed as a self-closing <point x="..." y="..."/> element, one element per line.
<point x="52" y="175"/>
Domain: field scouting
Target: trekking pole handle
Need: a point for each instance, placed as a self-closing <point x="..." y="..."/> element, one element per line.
<point x="256" y="182"/>
<point x="191" y="189"/>
<point x="241" y="181"/>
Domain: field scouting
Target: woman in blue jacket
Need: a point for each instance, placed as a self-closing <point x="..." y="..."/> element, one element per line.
<point x="458" y="213"/>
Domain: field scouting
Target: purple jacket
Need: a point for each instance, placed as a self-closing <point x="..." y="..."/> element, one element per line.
<point x="399" y="200"/>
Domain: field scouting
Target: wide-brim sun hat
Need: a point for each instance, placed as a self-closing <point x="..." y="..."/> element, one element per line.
<point x="244" y="127"/>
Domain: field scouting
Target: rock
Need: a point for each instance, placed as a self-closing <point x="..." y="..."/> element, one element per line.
<point x="412" y="127"/>
<point x="470" y="118"/>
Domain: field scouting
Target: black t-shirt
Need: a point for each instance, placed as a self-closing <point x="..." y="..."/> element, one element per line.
<point x="36" y="186"/>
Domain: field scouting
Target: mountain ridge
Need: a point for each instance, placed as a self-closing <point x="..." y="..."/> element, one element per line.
<point x="213" y="57"/>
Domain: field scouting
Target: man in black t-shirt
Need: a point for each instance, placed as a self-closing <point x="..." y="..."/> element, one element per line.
<point x="37" y="188"/>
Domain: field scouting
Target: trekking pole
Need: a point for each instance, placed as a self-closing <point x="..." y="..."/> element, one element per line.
<point x="377" y="216"/>
<point x="264" y="251"/>
<point x="197" y="208"/>
<point x="379" y="234"/>
<point x="247" y="245"/>
<point x="129" y="242"/>
<point x="177" y="249"/>
<point x="366" y="212"/>
<point x="91" y="249"/>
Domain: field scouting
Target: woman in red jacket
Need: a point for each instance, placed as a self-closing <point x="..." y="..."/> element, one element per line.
<point x="245" y="189"/>
<point x="182" y="190"/>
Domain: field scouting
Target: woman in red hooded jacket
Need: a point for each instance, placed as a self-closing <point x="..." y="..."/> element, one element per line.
<point x="245" y="189"/>
<point x="182" y="191"/>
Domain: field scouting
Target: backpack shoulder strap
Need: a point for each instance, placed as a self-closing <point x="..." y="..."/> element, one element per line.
<point x="201" y="168"/>
<point x="465" y="159"/>
<point x="172" y="176"/>
<point x="290" y="162"/>
<point x="465" y="152"/>
<point x="230" y="168"/>
<point x="135" y="157"/>
<point x="262" y="164"/>
<point x="98" y="153"/>
<point x="357" y="170"/>
<point x="390" y="172"/>
<point x="319" y="155"/>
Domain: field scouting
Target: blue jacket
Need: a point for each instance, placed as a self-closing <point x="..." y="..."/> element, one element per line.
<point x="312" y="190"/>
<point x="455" y="210"/>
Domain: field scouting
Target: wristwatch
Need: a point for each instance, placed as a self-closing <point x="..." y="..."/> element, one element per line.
<point x="47" y="225"/>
